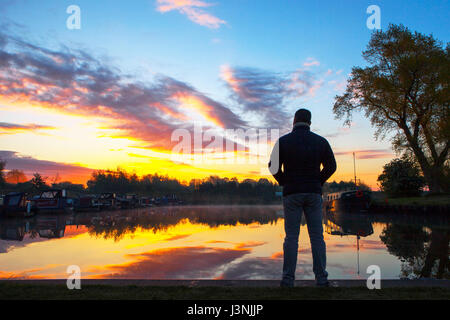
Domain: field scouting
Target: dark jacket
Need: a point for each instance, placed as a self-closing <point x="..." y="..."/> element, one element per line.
<point x="301" y="152"/>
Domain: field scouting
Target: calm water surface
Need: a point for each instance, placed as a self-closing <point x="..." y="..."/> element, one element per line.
<point x="220" y="242"/>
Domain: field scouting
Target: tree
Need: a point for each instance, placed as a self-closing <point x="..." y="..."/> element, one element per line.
<point x="38" y="181"/>
<point x="344" y="186"/>
<point x="2" y="177"/>
<point x="405" y="89"/>
<point x="423" y="251"/>
<point x="16" y="176"/>
<point x="401" y="177"/>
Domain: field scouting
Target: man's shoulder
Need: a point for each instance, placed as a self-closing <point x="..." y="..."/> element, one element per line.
<point x="285" y="136"/>
<point x="312" y="136"/>
<point x="318" y="137"/>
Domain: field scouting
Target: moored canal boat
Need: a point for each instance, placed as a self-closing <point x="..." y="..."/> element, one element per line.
<point x="348" y="201"/>
<point x="86" y="203"/>
<point x="145" y="202"/>
<point x="52" y="201"/>
<point x="107" y="201"/>
<point x="15" y="205"/>
<point x="128" y="201"/>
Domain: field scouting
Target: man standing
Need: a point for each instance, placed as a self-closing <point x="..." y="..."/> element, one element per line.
<point x="295" y="163"/>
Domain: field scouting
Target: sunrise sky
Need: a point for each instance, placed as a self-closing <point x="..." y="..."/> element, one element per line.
<point x="113" y="92"/>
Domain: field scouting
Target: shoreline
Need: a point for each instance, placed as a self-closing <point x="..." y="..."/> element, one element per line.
<point x="351" y="283"/>
<point x="267" y="290"/>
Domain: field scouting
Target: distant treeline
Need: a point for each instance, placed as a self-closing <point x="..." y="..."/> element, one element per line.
<point x="211" y="190"/>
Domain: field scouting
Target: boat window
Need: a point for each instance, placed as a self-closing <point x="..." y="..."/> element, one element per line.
<point x="49" y="194"/>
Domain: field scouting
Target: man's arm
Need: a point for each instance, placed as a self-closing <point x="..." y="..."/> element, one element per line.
<point x="276" y="161"/>
<point x="329" y="164"/>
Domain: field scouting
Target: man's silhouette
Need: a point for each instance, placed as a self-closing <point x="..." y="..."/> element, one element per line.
<point x="295" y="163"/>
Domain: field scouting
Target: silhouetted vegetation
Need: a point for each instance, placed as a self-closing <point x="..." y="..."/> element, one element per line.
<point x="344" y="186"/>
<point x="401" y="178"/>
<point x="114" y="225"/>
<point x="210" y="190"/>
<point x="15" y="176"/>
<point x="405" y="90"/>
<point x="423" y="252"/>
<point x="2" y="175"/>
<point x="38" y="182"/>
<point x="207" y="191"/>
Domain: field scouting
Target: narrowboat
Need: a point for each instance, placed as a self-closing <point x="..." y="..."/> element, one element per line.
<point x="86" y="203"/>
<point x="173" y="200"/>
<point x="145" y="202"/>
<point x="128" y="201"/>
<point x="107" y="200"/>
<point x="347" y="201"/>
<point x="52" y="201"/>
<point x="15" y="204"/>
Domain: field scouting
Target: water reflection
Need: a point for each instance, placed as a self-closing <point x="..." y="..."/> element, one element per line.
<point x="221" y="242"/>
<point x="424" y="252"/>
<point x="341" y="224"/>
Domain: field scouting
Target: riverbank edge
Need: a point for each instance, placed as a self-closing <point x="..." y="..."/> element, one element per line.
<point x="101" y="289"/>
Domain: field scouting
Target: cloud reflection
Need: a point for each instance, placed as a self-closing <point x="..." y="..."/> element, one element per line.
<point x="198" y="262"/>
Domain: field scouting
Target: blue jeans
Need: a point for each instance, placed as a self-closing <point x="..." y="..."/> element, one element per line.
<point x="311" y="205"/>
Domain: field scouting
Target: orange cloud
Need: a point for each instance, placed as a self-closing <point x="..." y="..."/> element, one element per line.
<point x="196" y="104"/>
<point x="30" y="165"/>
<point x="12" y="128"/>
<point x="173" y="263"/>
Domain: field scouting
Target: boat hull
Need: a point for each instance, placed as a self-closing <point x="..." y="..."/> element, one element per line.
<point x="353" y="202"/>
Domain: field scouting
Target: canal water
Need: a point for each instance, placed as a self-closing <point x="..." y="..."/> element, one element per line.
<point x="217" y="242"/>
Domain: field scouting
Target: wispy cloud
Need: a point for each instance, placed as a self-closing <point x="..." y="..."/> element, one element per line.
<point x="11" y="128"/>
<point x="266" y="94"/>
<point x="193" y="9"/>
<point x="367" y="154"/>
<point x="30" y="165"/>
<point x="311" y="62"/>
<point x="75" y="82"/>
<point x="199" y="262"/>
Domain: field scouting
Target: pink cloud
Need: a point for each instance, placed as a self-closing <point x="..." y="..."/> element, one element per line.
<point x="30" y="165"/>
<point x="311" y="62"/>
<point x="368" y="154"/>
<point x="11" y="128"/>
<point x="191" y="8"/>
<point x="173" y="263"/>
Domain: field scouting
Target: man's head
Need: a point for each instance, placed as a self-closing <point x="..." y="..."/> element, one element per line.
<point x="302" y="115"/>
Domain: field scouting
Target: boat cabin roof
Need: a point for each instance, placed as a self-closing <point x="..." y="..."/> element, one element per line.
<point x="50" y="194"/>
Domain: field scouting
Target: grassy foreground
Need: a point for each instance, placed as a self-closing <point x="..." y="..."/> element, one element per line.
<point x="435" y="200"/>
<point x="102" y="292"/>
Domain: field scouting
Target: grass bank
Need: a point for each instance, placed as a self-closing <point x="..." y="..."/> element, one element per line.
<point x="434" y="200"/>
<point x="107" y="292"/>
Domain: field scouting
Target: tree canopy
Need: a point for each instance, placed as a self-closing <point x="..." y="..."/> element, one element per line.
<point x="401" y="177"/>
<point x="2" y="177"/>
<point x="405" y="90"/>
